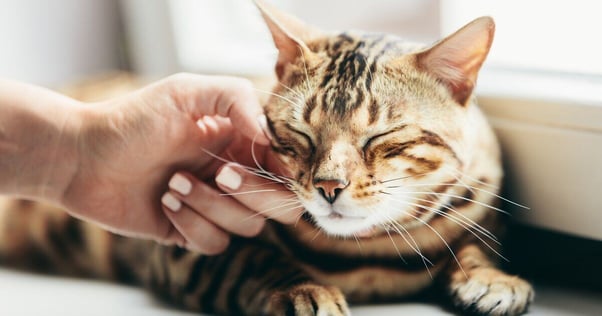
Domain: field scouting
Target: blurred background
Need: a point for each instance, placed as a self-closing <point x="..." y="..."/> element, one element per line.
<point x="55" y="42"/>
<point x="541" y="85"/>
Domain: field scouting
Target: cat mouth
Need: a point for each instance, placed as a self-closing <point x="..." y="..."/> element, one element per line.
<point x="346" y="225"/>
<point x="334" y="215"/>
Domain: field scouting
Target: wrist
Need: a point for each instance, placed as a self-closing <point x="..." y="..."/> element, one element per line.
<point x="64" y="156"/>
<point x="56" y="160"/>
<point x="38" y="141"/>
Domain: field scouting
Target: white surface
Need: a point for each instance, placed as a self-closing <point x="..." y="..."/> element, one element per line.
<point x="30" y="294"/>
<point x="550" y="129"/>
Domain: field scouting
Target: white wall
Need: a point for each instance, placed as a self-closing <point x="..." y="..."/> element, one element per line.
<point x="50" y="42"/>
<point x="229" y="36"/>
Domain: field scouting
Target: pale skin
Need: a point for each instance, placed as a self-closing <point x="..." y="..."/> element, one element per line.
<point x="139" y="165"/>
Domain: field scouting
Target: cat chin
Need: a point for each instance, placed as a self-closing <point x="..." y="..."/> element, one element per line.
<point x="345" y="226"/>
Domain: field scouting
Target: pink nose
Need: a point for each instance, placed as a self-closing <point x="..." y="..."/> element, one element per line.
<point x="330" y="189"/>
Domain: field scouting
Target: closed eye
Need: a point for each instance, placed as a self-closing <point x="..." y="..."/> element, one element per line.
<point x="307" y="138"/>
<point x="369" y="142"/>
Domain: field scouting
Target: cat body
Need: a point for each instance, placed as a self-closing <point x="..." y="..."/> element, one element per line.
<point x="388" y="153"/>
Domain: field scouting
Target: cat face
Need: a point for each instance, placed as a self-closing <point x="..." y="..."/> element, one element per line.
<point x="372" y="129"/>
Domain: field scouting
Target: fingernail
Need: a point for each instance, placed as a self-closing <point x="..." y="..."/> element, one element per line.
<point x="180" y="184"/>
<point x="229" y="178"/>
<point x="263" y="123"/>
<point x="171" y="202"/>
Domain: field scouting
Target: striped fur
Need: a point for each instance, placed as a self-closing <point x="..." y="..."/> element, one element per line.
<point x="393" y="124"/>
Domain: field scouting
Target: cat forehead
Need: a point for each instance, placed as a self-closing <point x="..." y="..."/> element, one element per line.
<point x="349" y="72"/>
<point x="362" y="45"/>
<point x="352" y="87"/>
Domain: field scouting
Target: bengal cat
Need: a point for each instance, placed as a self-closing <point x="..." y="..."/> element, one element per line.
<point x="390" y="156"/>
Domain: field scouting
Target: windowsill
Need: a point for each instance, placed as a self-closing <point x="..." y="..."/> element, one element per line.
<point x="550" y="129"/>
<point x="551" y="99"/>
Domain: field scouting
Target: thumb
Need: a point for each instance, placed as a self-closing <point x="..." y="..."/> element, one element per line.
<point x="231" y="97"/>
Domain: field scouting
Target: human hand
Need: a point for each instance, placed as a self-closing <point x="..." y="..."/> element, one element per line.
<point x="129" y="147"/>
<point x="241" y="195"/>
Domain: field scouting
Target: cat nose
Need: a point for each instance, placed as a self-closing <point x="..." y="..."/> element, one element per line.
<point x="330" y="188"/>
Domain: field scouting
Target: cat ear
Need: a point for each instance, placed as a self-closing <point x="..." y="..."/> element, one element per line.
<point x="289" y="33"/>
<point x="456" y="60"/>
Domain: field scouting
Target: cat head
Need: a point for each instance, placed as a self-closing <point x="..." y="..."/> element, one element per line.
<point x="367" y="125"/>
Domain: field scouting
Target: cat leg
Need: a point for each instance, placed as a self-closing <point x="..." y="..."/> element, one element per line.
<point x="250" y="278"/>
<point x="308" y="299"/>
<point x="476" y="285"/>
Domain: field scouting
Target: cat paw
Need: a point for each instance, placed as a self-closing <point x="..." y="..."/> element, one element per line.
<point x="489" y="291"/>
<point x="309" y="299"/>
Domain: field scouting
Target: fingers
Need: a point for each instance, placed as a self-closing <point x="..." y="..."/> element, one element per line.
<point x="266" y="197"/>
<point x="230" y="97"/>
<point x="200" y="234"/>
<point x="205" y="216"/>
<point x="209" y="207"/>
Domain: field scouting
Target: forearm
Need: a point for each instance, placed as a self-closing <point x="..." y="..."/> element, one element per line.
<point x="38" y="141"/>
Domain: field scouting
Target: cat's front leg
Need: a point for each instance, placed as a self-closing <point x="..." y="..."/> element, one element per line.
<point x="476" y="285"/>
<point x="250" y="278"/>
<point x="308" y="299"/>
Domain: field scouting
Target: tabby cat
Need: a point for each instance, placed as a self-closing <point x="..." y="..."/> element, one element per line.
<point x="390" y="156"/>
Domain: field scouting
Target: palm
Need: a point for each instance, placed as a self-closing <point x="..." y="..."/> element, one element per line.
<point x="124" y="176"/>
<point x="128" y="152"/>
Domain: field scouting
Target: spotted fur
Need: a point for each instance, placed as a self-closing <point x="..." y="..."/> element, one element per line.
<point x="393" y="161"/>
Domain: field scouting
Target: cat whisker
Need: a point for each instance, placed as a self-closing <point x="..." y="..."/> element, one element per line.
<point x="462" y="224"/>
<point x="257" y="185"/>
<point x="249" y="192"/>
<point x="469" y="222"/>
<point x="395" y="246"/>
<point x="446" y="206"/>
<point x="357" y="241"/>
<point x="459" y="221"/>
<point x="229" y="155"/>
<point x="462" y="198"/>
<point x="295" y="92"/>
<point x="286" y="203"/>
<point x="268" y="174"/>
<point x="404" y="177"/>
<point x="443" y="240"/>
<point x="274" y="212"/>
<point x="307" y="82"/>
<point x="278" y="96"/>
<point x="469" y="187"/>
<point x="318" y="232"/>
<point x="398" y="227"/>
<point x="260" y="172"/>
<point x="289" y="206"/>
<point x="464" y="175"/>
<point x="414" y="245"/>
<point x="299" y="217"/>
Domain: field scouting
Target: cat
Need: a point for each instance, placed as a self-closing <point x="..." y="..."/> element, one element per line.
<point x="391" y="158"/>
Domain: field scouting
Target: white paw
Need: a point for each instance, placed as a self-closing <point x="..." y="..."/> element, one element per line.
<point x="492" y="292"/>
